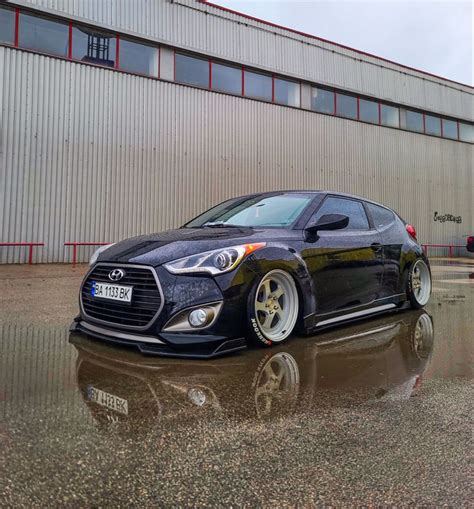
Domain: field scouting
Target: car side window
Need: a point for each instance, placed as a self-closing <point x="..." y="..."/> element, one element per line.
<point x="382" y="217"/>
<point x="351" y="208"/>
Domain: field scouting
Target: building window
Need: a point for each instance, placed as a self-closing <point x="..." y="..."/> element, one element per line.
<point x="44" y="35"/>
<point x="369" y="111"/>
<point x="414" y="121"/>
<point x="466" y="132"/>
<point x="258" y="86"/>
<point x="346" y="106"/>
<point x="226" y="78"/>
<point x="432" y="125"/>
<point x="192" y="70"/>
<point x="138" y="58"/>
<point x="322" y="100"/>
<point x="93" y="47"/>
<point x="450" y="129"/>
<point x="287" y="92"/>
<point x="7" y="25"/>
<point x="389" y="116"/>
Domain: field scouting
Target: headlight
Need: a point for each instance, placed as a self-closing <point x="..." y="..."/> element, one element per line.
<point x="213" y="262"/>
<point x="97" y="253"/>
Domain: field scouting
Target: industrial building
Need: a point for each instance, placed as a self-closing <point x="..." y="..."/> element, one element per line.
<point x="119" y="118"/>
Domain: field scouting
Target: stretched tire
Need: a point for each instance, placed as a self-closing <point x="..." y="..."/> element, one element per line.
<point x="419" y="284"/>
<point x="272" y="308"/>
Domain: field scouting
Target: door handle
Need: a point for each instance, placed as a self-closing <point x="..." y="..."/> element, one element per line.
<point x="376" y="246"/>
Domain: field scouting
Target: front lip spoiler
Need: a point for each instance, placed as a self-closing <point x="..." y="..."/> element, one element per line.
<point x="149" y="345"/>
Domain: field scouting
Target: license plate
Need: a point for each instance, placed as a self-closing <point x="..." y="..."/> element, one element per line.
<point x="112" y="292"/>
<point x="107" y="400"/>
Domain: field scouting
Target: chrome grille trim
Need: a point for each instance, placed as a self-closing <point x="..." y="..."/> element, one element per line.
<point x="113" y="265"/>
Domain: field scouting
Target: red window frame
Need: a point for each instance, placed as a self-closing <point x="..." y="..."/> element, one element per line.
<point x="275" y="77"/>
<point x="17" y="28"/>
<point x="69" y="51"/>
<point x="442" y="128"/>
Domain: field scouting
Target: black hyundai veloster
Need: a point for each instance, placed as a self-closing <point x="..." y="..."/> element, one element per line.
<point x="254" y="268"/>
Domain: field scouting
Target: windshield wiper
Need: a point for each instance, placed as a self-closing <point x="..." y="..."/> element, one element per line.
<point x="221" y="224"/>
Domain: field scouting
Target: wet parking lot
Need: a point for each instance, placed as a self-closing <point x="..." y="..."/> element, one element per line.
<point x="375" y="413"/>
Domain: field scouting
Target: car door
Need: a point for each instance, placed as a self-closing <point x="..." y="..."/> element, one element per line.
<point x="346" y="265"/>
<point x="392" y="233"/>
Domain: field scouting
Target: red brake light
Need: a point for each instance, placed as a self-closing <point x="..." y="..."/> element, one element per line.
<point x="411" y="231"/>
<point x="470" y="240"/>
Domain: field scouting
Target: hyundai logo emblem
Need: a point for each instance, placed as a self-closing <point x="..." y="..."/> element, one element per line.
<point x="116" y="274"/>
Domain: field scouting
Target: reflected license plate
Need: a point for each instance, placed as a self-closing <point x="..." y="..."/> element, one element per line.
<point x="107" y="400"/>
<point x="111" y="292"/>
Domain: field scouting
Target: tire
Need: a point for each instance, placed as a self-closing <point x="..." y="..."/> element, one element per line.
<point x="276" y="385"/>
<point x="272" y="309"/>
<point x="419" y="284"/>
<point x="423" y="336"/>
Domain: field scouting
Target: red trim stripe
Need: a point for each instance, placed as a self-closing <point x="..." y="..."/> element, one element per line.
<point x="17" y="27"/>
<point x="69" y="50"/>
<point x="117" y="52"/>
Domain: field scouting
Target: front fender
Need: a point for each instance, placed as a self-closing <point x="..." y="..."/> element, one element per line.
<point x="239" y="283"/>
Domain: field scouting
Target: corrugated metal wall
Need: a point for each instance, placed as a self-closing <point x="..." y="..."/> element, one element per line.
<point x="89" y="154"/>
<point x="204" y="28"/>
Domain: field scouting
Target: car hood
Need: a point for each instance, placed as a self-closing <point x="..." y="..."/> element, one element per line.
<point x="158" y="248"/>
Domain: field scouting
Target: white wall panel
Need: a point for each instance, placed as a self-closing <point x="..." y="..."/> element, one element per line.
<point x="89" y="154"/>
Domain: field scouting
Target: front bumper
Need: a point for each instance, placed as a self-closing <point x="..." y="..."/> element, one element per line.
<point x="191" y="346"/>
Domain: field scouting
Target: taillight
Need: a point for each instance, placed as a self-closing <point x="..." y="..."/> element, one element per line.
<point x="470" y="240"/>
<point x="411" y="231"/>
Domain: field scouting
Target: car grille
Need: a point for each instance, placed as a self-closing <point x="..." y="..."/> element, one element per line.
<point x="146" y="297"/>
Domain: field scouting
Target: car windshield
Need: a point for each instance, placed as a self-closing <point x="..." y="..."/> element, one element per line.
<point x="277" y="211"/>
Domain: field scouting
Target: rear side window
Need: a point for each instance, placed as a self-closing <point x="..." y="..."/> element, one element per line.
<point x="351" y="208"/>
<point x="382" y="217"/>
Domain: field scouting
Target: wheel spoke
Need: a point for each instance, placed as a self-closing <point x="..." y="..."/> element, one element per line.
<point x="280" y="314"/>
<point x="260" y="306"/>
<point x="281" y="374"/>
<point x="269" y="371"/>
<point x="267" y="323"/>
<point x="278" y="292"/>
<point x="266" y="289"/>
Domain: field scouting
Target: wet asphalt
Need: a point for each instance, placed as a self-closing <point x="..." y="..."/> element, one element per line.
<point x="375" y="413"/>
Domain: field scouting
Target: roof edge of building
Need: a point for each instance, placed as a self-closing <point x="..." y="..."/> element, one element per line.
<point x="322" y="39"/>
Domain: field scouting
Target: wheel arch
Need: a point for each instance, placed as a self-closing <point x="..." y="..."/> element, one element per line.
<point x="287" y="259"/>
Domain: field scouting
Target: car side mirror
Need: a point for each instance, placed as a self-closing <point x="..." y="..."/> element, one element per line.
<point x="328" y="222"/>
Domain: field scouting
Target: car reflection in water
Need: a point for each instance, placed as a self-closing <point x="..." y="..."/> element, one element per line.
<point x="379" y="360"/>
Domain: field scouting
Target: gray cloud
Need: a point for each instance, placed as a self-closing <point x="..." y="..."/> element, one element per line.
<point x="434" y="36"/>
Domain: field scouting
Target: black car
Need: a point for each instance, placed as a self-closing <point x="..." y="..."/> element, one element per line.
<point x="254" y="268"/>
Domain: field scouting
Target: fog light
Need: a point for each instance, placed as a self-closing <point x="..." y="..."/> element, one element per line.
<point x="198" y="317"/>
<point x="197" y="396"/>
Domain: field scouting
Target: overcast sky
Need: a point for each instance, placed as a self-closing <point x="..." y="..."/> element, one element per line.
<point x="431" y="35"/>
